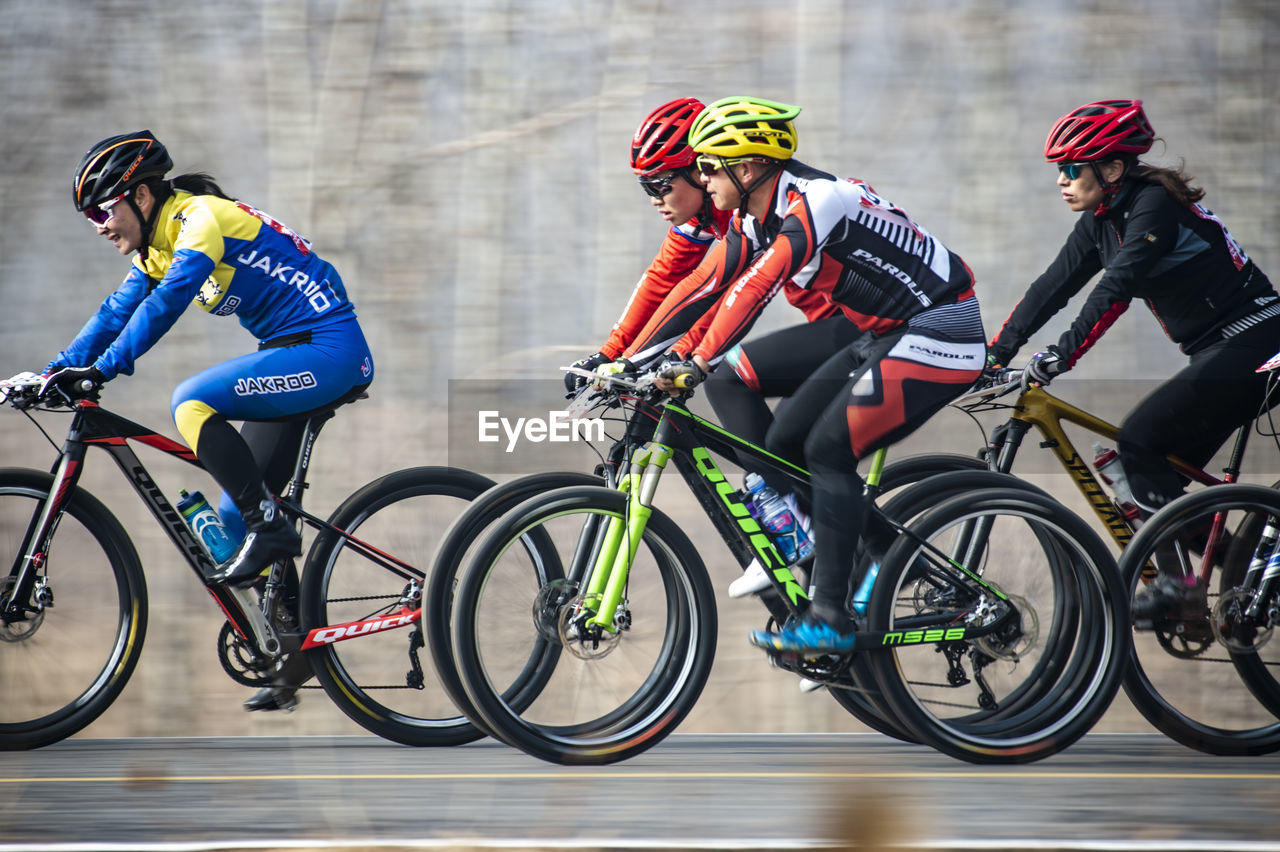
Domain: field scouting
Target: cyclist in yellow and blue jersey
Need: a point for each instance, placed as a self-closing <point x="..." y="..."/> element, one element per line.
<point x="197" y="246"/>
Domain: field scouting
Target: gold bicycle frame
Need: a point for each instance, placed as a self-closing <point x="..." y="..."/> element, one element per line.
<point x="1047" y="413"/>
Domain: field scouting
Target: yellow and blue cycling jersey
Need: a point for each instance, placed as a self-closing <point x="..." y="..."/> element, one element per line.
<point x="225" y="257"/>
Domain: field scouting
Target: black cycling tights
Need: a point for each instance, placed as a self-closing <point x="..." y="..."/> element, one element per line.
<point x="240" y="461"/>
<point x="774" y="365"/>
<point x="1194" y="413"/>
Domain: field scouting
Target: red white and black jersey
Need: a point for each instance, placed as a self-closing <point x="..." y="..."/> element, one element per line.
<point x="684" y="247"/>
<point x="836" y="239"/>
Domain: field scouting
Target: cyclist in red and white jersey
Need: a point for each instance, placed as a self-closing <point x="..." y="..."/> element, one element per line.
<point x="922" y="342"/>
<point x="1144" y="228"/>
<point x="663" y="163"/>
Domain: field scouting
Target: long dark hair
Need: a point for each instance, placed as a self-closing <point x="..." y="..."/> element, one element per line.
<point x="196" y="183"/>
<point x="1175" y="181"/>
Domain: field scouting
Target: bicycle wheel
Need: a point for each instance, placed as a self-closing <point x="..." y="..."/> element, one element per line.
<point x="457" y="543"/>
<point x="598" y="696"/>
<point x="377" y="677"/>
<point x="857" y="691"/>
<point x="1052" y="640"/>
<point x="1205" y="675"/>
<point x="913" y="501"/>
<point x="61" y="667"/>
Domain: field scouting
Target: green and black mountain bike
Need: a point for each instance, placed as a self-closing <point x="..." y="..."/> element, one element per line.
<point x="996" y="632"/>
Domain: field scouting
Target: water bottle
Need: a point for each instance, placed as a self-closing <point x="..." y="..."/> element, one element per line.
<point x="862" y="597"/>
<point x="1106" y="462"/>
<point x="777" y="519"/>
<point x="206" y="524"/>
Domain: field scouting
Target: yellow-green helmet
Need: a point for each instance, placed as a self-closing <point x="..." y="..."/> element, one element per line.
<point x="746" y="127"/>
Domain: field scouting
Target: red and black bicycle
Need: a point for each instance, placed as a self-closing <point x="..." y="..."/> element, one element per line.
<point x="73" y="599"/>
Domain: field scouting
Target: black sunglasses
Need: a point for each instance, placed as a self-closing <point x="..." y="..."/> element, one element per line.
<point x="1071" y="170"/>
<point x="657" y="187"/>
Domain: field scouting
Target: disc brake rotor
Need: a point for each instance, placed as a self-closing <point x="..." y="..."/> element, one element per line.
<point x="1018" y="638"/>
<point x="21" y="631"/>
<point x="1235" y="630"/>
<point x="548" y="606"/>
<point x="589" y="641"/>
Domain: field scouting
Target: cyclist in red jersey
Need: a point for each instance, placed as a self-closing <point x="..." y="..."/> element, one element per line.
<point x="663" y="163"/>
<point x="922" y="343"/>
<point x="1144" y="228"/>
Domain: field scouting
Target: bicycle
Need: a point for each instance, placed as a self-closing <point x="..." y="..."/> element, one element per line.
<point x="1194" y="705"/>
<point x="530" y="638"/>
<point x="73" y="617"/>
<point x="469" y="527"/>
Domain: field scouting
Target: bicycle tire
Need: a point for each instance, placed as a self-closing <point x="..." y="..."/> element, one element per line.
<point x="60" y="652"/>
<point x="372" y="679"/>
<point x="590" y="711"/>
<point x="1042" y="720"/>
<point x="1196" y="691"/>
<point x="461" y="536"/>
<point x="914" y="501"/>
<point x="857" y="691"/>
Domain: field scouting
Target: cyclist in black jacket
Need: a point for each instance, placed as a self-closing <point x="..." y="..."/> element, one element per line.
<point x="1145" y="227"/>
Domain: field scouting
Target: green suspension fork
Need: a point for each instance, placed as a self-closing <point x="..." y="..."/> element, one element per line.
<point x="608" y="579"/>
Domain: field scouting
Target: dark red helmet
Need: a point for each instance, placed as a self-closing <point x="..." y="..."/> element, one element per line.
<point x="1099" y="131"/>
<point x="661" y="141"/>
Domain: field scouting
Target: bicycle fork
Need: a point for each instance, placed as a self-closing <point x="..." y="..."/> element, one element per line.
<point x="622" y="535"/>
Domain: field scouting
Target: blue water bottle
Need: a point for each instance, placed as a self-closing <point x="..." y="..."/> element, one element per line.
<point x="862" y="597"/>
<point x="206" y="524"/>
<point x="778" y="520"/>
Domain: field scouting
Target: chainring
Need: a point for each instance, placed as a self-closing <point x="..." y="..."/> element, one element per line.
<point x="246" y="666"/>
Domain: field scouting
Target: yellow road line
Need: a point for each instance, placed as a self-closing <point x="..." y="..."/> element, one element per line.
<point x="606" y="775"/>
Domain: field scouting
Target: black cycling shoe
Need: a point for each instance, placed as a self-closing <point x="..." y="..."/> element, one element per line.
<point x="270" y="537"/>
<point x="283" y="692"/>
<point x="273" y="698"/>
<point x="1169" y="598"/>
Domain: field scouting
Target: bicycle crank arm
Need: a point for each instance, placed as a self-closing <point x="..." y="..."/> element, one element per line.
<point x="263" y="633"/>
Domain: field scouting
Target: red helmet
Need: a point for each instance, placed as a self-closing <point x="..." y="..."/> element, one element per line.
<point x="1099" y="131"/>
<point x="661" y="141"/>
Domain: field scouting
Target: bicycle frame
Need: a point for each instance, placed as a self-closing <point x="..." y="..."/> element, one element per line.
<point x="688" y="439"/>
<point x="1036" y="407"/>
<point x="92" y="425"/>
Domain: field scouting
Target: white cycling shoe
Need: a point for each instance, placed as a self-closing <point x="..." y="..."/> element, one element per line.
<point x="753" y="580"/>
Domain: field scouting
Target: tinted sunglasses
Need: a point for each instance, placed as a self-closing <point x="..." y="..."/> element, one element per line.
<point x="657" y="187"/>
<point x="709" y="164"/>
<point x="1071" y="170"/>
<point x="98" y="214"/>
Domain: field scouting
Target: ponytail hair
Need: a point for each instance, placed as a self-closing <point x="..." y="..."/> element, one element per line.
<point x="196" y="183"/>
<point x="1175" y="181"/>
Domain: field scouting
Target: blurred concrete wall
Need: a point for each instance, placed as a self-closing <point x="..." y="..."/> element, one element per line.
<point x="464" y="165"/>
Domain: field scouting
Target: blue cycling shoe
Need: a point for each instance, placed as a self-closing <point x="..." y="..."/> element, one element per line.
<point x="807" y="638"/>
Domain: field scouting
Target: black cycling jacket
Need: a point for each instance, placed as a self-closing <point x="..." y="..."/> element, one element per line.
<point x="1181" y="261"/>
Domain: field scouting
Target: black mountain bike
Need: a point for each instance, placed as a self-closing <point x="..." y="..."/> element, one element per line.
<point x="73" y="597"/>
<point x="996" y="632"/>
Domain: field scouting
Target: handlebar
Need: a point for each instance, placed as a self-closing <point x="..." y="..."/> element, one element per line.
<point x="1006" y="382"/>
<point x="24" y="391"/>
